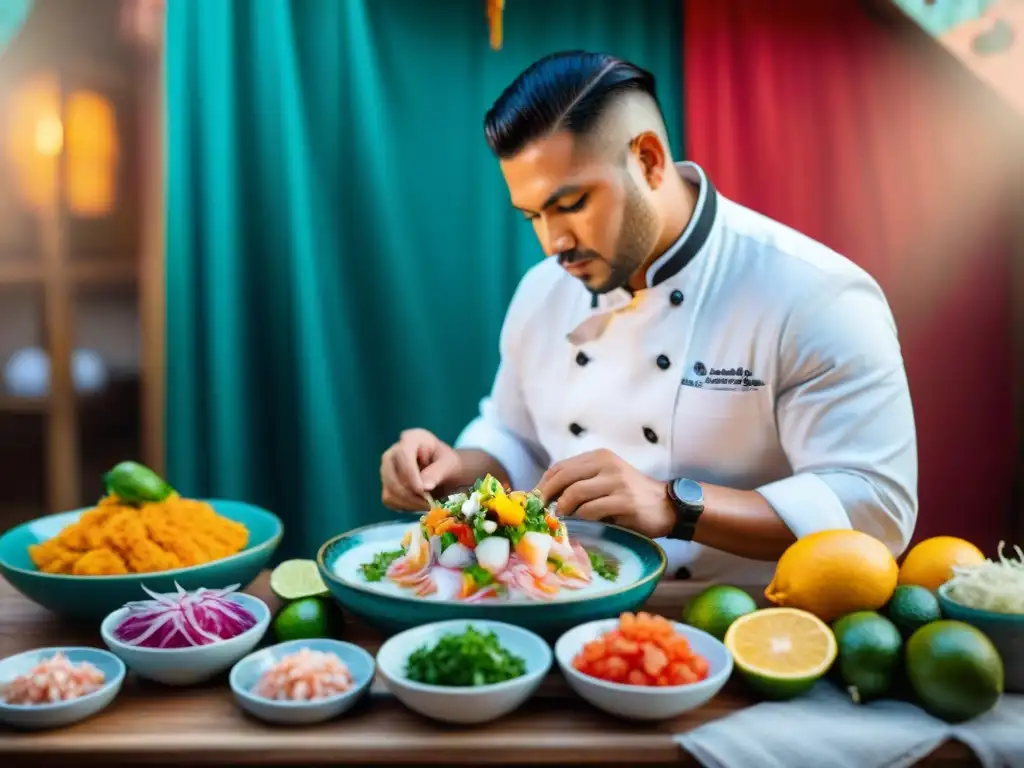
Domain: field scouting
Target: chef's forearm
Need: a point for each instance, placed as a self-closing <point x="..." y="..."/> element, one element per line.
<point x="475" y="464"/>
<point x="742" y="523"/>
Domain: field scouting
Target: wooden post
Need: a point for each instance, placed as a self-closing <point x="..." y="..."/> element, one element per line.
<point x="152" y="283"/>
<point x="62" y="427"/>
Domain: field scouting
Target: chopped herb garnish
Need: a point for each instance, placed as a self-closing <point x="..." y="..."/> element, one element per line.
<point x="480" y="575"/>
<point x="463" y="660"/>
<point x="378" y="567"/>
<point x="534" y="507"/>
<point x="605" y="566"/>
<point x="478" y="528"/>
<point x="513" y="532"/>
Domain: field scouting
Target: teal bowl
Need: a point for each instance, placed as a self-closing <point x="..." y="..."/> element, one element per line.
<point x="93" y="597"/>
<point x="1005" y="630"/>
<point x="390" y="613"/>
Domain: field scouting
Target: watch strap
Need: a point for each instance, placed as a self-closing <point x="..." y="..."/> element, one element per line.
<point x="687" y="515"/>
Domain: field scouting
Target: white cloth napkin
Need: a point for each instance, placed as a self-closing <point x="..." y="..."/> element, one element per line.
<point x="825" y="728"/>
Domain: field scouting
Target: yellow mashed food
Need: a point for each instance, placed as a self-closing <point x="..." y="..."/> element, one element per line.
<point x="115" y="538"/>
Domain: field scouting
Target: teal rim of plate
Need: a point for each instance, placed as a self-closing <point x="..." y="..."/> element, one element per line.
<point x="329" y="574"/>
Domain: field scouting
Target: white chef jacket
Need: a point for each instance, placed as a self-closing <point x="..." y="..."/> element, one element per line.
<point x="755" y="358"/>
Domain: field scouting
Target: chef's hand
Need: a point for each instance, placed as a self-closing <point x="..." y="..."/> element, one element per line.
<point x="414" y="466"/>
<point x="601" y="486"/>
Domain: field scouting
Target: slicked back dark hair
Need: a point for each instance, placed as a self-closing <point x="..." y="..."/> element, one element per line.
<point x="567" y="90"/>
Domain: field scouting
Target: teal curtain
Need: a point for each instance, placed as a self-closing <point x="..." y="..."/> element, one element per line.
<point x="340" y="246"/>
<point x="13" y="14"/>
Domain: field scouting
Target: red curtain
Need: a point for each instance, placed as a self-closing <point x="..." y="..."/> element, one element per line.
<point x="825" y="119"/>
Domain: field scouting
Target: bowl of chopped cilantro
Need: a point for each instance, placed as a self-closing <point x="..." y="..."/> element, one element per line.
<point x="464" y="671"/>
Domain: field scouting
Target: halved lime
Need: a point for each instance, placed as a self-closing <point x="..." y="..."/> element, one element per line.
<point x="296" y="579"/>
<point x="782" y="652"/>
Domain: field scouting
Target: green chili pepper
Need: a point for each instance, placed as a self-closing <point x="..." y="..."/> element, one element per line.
<point x="135" y="484"/>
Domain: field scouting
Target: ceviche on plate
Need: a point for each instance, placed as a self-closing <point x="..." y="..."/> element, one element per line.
<point x="491" y="544"/>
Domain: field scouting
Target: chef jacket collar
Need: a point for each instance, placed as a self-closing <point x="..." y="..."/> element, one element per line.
<point x="671" y="263"/>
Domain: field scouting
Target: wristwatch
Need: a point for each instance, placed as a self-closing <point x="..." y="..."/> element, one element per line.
<point x="687" y="497"/>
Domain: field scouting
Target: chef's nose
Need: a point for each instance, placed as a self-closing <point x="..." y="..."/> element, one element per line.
<point x="559" y="242"/>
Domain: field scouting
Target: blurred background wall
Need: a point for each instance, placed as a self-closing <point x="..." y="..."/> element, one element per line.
<point x="249" y="241"/>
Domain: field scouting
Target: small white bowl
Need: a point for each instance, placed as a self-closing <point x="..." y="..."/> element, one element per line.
<point x="188" y="666"/>
<point x="62" y="713"/>
<point x="640" y="702"/>
<point x="470" y="705"/>
<point x="246" y="673"/>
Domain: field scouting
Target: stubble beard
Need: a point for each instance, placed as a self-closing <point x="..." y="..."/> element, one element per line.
<point x="637" y="238"/>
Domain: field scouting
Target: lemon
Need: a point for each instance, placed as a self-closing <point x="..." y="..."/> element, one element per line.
<point x="930" y="563"/>
<point x="781" y="652"/>
<point x="296" y="579"/>
<point x="833" y="573"/>
<point x="717" y="607"/>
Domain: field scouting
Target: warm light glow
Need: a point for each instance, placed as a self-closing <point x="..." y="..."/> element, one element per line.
<point x="87" y="137"/>
<point x="92" y="155"/>
<point x="36" y="104"/>
<point x="494" y="10"/>
<point x="49" y="136"/>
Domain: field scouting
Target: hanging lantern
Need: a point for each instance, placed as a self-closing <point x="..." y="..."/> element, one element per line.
<point x="494" y="10"/>
<point x="85" y="133"/>
<point x="92" y="155"/>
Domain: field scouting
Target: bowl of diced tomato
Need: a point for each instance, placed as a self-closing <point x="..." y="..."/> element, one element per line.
<point x="643" y="666"/>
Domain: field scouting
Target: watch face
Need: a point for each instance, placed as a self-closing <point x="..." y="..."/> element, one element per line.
<point x="689" y="491"/>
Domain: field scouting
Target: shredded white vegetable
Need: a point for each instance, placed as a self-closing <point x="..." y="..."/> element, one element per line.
<point x="996" y="586"/>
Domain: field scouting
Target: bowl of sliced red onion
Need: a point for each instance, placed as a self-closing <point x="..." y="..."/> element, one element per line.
<point x="184" y="638"/>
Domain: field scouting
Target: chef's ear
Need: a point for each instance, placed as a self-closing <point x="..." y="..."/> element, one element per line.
<point x="652" y="156"/>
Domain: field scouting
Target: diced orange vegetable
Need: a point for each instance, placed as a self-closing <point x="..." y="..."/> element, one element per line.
<point x="594" y="651"/>
<point x="637" y="677"/>
<point x="643" y="650"/>
<point x="508" y="511"/>
<point x="435" y="516"/>
<point x="620" y="646"/>
<point x="617" y="668"/>
<point x="654" y="659"/>
<point x="699" y="665"/>
<point x="552" y="522"/>
<point x="682" y="674"/>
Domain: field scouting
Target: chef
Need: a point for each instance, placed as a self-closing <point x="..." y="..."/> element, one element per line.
<point x="679" y="364"/>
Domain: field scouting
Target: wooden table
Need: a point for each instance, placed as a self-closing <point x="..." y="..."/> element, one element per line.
<point x="153" y="725"/>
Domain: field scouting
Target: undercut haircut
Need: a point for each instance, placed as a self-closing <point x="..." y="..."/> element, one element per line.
<point x="569" y="90"/>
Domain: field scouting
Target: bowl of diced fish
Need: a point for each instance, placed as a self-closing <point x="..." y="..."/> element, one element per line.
<point x="300" y="682"/>
<point x="55" y="687"/>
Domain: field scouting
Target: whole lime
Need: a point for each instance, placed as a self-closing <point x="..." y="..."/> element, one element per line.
<point x="954" y="670"/>
<point x="717" y="607"/>
<point x="911" y="607"/>
<point x="870" y="653"/>
<point x="311" y="617"/>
